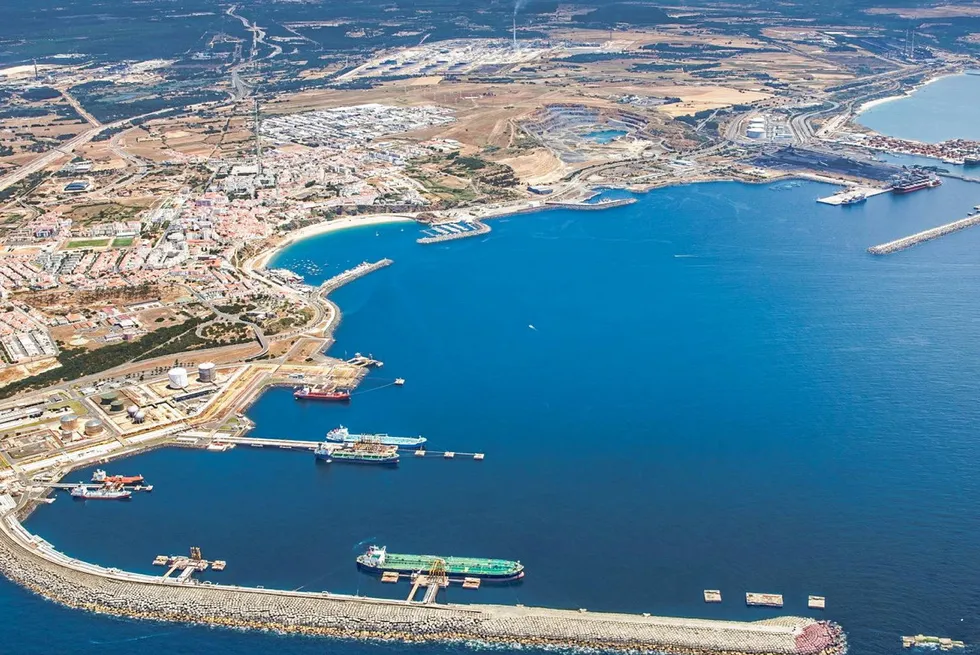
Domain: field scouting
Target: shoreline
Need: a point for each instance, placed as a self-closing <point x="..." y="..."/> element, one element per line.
<point x="871" y="104"/>
<point x="263" y="259"/>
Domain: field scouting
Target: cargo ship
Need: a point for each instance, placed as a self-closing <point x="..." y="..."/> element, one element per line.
<point x="100" y="476"/>
<point x="343" y="435"/>
<point x="916" y="183"/>
<point x="319" y="393"/>
<point x="377" y="560"/>
<point x="972" y="160"/>
<point x="81" y="492"/>
<point x="358" y="453"/>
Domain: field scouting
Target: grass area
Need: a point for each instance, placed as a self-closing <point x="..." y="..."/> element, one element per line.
<point x="123" y="242"/>
<point x="88" y="243"/>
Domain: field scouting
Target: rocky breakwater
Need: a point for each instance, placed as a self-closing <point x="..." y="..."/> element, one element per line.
<point x="31" y="562"/>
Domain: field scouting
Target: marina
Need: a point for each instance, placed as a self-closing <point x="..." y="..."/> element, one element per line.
<point x="452" y="231"/>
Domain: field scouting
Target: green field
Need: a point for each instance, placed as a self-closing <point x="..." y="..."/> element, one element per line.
<point x="123" y="242"/>
<point x="88" y="243"/>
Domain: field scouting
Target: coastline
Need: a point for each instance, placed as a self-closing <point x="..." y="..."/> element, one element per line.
<point x="262" y="260"/>
<point x="871" y="104"/>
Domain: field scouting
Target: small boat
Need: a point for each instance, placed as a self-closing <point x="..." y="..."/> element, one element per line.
<point x="318" y="393"/>
<point x="399" y="381"/>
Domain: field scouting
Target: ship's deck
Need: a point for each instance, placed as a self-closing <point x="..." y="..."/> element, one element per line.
<point x="464" y="565"/>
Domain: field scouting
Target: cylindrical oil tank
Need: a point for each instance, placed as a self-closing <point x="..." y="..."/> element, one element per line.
<point x="69" y="422"/>
<point x="108" y="398"/>
<point x="93" y="427"/>
<point x="178" y="378"/>
<point x="117" y="406"/>
<point x="205" y="372"/>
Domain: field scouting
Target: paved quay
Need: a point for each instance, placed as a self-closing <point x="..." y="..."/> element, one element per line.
<point x="30" y="561"/>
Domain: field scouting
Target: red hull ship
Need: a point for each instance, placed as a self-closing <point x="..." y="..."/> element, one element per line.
<point x="308" y="393"/>
<point x="918" y="185"/>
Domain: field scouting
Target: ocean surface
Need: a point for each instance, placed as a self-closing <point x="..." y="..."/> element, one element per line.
<point x="945" y="109"/>
<point x="715" y="387"/>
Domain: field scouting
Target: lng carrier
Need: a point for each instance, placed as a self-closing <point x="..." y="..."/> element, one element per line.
<point x="378" y="560"/>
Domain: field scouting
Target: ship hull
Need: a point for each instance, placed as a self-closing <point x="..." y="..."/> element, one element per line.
<point x="374" y="570"/>
<point x="120" y="497"/>
<point x="337" y="398"/>
<point x="383" y="439"/>
<point x="328" y="458"/>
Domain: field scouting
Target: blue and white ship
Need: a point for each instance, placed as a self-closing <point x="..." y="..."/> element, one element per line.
<point x="343" y="435"/>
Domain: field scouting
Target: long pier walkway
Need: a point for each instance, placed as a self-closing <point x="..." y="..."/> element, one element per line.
<point x="352" y="274"/>
<point x="925" y="235"/>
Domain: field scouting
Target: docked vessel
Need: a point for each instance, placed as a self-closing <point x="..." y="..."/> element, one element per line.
<point x="909" y="184"/>
<point x="319" y="393"/>
<point x="853" y="199"/>
<point x="358" y="453"/>
<point x="81" y="492"/>
<point x="100" y="476"/>
<point x="377" y="560"/>
<point x="343" y="435"/>
<point x="971" y="161"/>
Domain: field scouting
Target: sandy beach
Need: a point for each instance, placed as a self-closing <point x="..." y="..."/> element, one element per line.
<point x="880" y="101"/>
<point x="323" y="228"/>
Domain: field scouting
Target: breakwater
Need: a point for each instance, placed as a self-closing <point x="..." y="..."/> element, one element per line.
<point x="352" y="274"/>
<point x="475" y="228"/>
<point x="35" y="564"/>
<point x="602" y="204"/>
<point x="925" y="235"/>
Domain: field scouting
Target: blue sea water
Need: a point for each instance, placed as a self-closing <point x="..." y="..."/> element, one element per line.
<point x="945" y="109"/>
<point x="715" y="387"/>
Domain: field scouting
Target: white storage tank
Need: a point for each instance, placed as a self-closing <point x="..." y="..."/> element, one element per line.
<point x="755" y="132"/>
<point x="139" y="416"/>
<point x="132" y="409"/>
<point x="178" y="378"/>
<point x="206" y="372"/>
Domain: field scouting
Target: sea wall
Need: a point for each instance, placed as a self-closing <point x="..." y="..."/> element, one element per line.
<point x="33" y="563"/>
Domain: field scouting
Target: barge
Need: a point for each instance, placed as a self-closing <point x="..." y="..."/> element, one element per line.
<point x="377" y="560"/>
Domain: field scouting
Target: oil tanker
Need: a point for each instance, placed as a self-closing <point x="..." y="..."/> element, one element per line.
<point x="81" y="492"/>
<point x="377" y="560"/>
<point x="100" y="476"/>
<point x="343" y="435"/>
<point x="358" y="453"/>
<point x="319" y="393"/>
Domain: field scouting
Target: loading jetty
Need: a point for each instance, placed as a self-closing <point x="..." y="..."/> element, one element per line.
<point x="925" y="235"/>
<point x="352" y="274"/>
<point x="33" y="563"/>
<point x="452" y="231"/>
<point x="601" y="204"/>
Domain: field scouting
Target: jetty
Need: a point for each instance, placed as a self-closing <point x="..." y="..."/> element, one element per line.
<point x="352" y="274"/>
<point x="310" y="446"/>
<point x="35" y="564"/>
<point x="453" y="231"/>
<point x="601" y="204"/>
<point x="925" y="235"/>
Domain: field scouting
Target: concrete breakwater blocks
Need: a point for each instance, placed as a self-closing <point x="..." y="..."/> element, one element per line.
<point x="29" y="561"/>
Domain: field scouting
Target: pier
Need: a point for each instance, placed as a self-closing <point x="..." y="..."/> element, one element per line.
<point x="293" y="444"/>
<point x="925" y="235"/>
<point x="453" y="231"/>
<point x="602" y="204"/>
<point x="352" y="274"/>
<point x="33" y="563"/>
